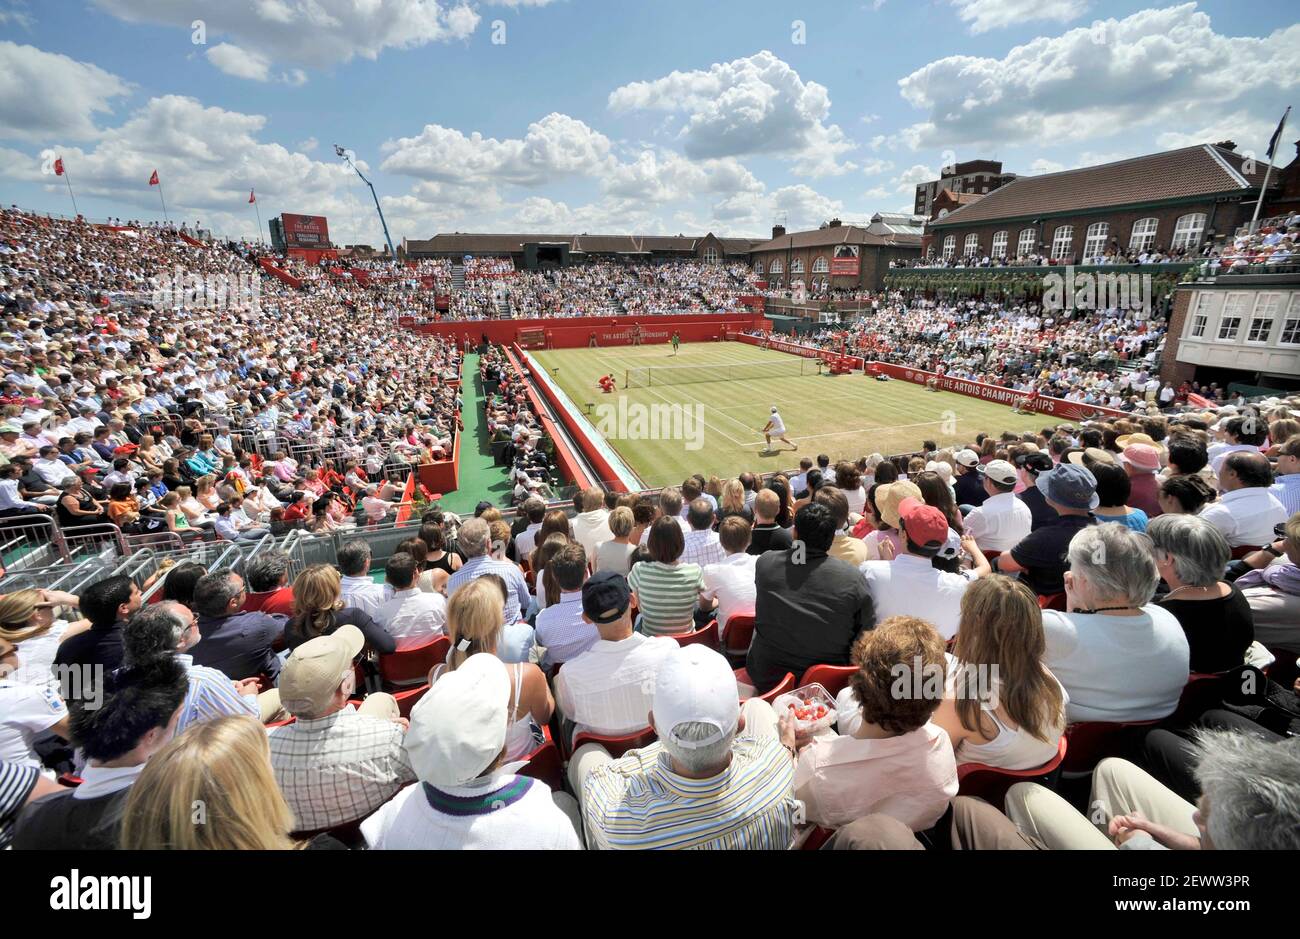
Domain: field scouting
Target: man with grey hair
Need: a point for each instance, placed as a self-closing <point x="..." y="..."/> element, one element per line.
<point x="1118" y="656"/>
<point x="1247" y="512"/>
<point x="268" y="583"/>
<point x="717" y="778"/>
<point x="357" y="587"/>
<point x="670" y="506"/>
<point x="169" y="628"/>
<point x="474" y="540"/>
<point x="1250" y="801"/>
<point x="237" y="643"/>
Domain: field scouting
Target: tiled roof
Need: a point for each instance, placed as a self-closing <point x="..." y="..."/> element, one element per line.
<point x="458" y="242"/>
<point x="1174" y="174"/>
<point x="838" y="235"/>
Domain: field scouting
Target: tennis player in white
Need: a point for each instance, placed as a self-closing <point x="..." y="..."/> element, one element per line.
<point x="776" y="428"/>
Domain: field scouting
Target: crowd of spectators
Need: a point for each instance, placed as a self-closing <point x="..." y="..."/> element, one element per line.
<point x="1023" y="583"/>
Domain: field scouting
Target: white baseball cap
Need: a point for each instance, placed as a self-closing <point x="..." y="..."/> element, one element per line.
<point x="458" y="728"/>
<point x="695" y="684"/>
<point x="967" y="457"/>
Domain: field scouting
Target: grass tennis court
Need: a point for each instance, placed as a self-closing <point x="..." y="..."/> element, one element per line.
<point x="654" y="427"/>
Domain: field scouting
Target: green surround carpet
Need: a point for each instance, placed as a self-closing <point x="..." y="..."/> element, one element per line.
<point x="480" y="478"/>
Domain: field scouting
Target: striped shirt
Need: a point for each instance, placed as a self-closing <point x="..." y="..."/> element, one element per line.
<point x="638" y="802"/>
<point x="1287" y="491"/>
<point x="16" y="784"/>
<point x="212" y="694"/>
<point x="517" y="593"/>
<point x="338" y="768"/>
<point x="667" y="595"/>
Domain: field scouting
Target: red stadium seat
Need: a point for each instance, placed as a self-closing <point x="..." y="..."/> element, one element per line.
<point x="406" y="700"/>
<point x="1090" y="742"/>
<point x="708" y="636"/>
<point x="991" y="783"/>
<point x="736" y="637"/>
<point x="781" y="687"/>
<point x="617" y="746"/>
<point x="1055" y="601"/>
<point x="545" y="764"/>
<point x="412" y="666"/>
<point x="817" y="838"/>
<point x="1242" y="550"/>
<point x="833" y="678"/>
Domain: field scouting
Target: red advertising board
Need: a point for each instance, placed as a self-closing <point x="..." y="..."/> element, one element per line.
<point x="305" y="231"/>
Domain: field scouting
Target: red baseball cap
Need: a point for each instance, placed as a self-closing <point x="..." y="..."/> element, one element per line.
<point x="924" y="524"/>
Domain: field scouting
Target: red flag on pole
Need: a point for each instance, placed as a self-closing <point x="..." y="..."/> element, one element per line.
<point x="58" y="167"/>
<point x="153" y="178"/>
<point x="251" y="198"/>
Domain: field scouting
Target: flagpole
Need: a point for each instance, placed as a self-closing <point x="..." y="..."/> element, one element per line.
<point x="68" y="179"/>
<point x="163" y="201"/>
<point x="258" y="209"/>
<point x="1268" y="170"/>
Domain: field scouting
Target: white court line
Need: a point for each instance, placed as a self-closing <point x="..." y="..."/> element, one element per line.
<point x="723" y="433"/>
<point x="860" y="430"/>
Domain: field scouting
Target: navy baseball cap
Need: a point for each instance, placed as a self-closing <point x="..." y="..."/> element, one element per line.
<point x="605" y="597"/>
<point x="1071" y="486"/>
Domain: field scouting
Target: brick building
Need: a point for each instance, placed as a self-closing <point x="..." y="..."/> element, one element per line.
<point x="1173" y="200"/>
<point x="837" y="255"/>
<point x="977" y="177"/>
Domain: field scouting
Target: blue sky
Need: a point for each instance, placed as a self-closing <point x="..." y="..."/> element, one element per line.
<point x="601" y="115"/>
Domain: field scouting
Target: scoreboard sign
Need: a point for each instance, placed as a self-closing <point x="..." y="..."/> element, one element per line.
<point x="305" y="231"/>
<point x="846" y="261"/>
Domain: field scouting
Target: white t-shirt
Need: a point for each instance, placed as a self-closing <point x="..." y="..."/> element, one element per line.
<point x="731" y="582"/>
<point x="36" y="655"/>
<point x="25" y="712"/>
<point x="1118" y="668"/>
<point x="778" y="425"/>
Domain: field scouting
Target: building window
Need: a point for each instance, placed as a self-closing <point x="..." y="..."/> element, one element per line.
<point x="710" y="255"/>
<point x="1201" y="317"/>
<point x="999" y="244"/>
<point x="1261" y="321"/>
<point x="971" y="246"/>
<point x="1188" y="231"/>
<point x="1094" y="245"/>
<point x="758" y="268"/>
<point x="1234" y="307"/>
<point x="821" y="266"/>
<point x="796" y="266"/>
<point x="1062" y="241"/>
<point x="778" y="267"/>
<point x="1291" y="325"/>
<point x="1144" y="234"/>
<point x="1028" y="241"/>
<point x="949" y="247"/>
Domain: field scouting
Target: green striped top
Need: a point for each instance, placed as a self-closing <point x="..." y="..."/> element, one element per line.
<point x="667" y="595"/>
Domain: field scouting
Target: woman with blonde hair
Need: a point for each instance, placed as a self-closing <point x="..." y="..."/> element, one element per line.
<point x="1002" y="706"/>
<point x="318" y="610"/>
<point x="732" y="501"/>
<point x="210" y="788"/>
<point x="28" y="617"/>
<point x="474" y="617"/>
<point x="616" y="554"/>
<point x="205" y="492"/>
